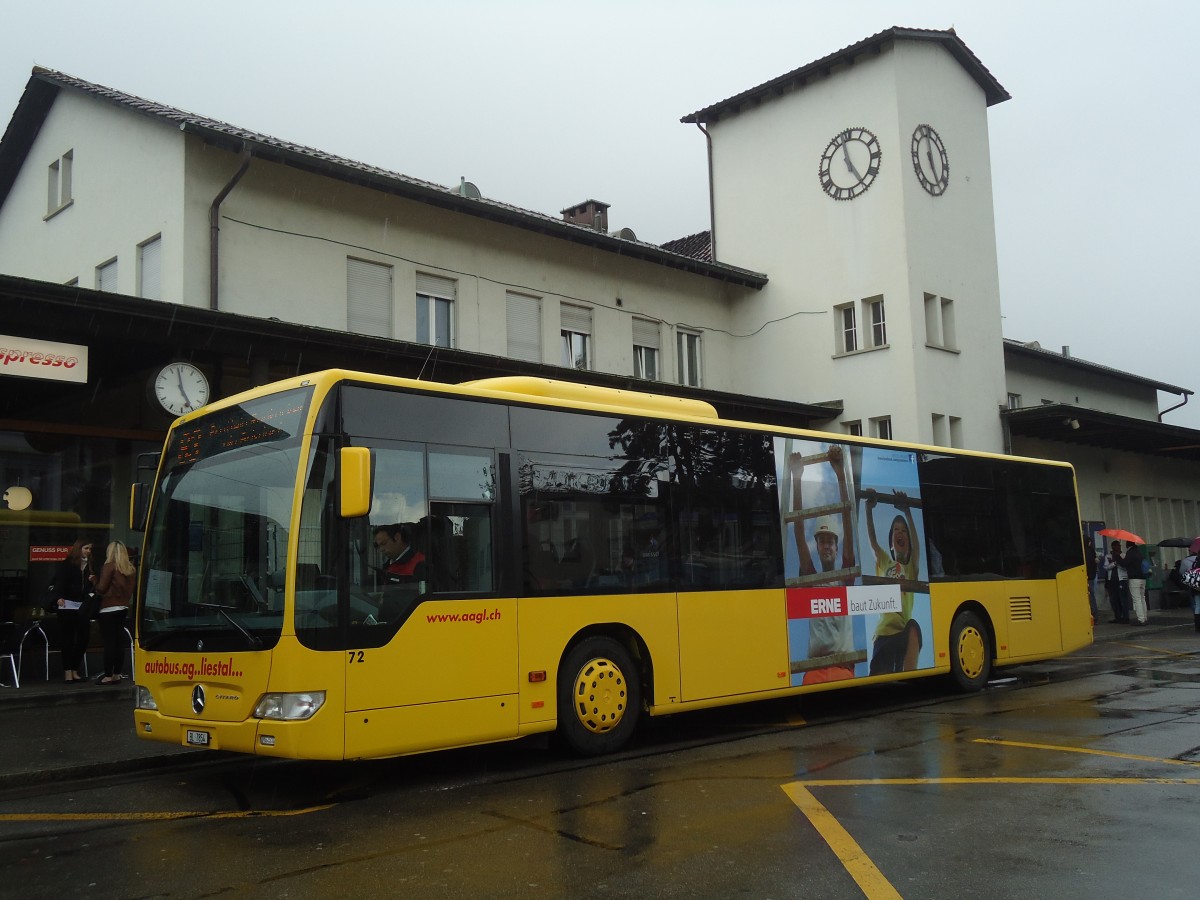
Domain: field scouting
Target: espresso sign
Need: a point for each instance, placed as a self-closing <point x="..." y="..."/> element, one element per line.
<point x="47" y="360"/>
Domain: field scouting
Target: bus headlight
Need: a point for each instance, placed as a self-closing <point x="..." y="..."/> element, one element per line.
<point x="142" y="698"/>
<point x="289" y="707"/>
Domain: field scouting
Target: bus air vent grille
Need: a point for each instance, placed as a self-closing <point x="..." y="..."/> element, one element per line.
<point x="1020" y="609"/>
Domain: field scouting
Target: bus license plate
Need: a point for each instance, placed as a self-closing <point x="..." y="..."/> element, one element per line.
<point x="198" y="738"/>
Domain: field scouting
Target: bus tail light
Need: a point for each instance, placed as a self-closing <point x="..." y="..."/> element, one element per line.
<point x="289" y="707"/>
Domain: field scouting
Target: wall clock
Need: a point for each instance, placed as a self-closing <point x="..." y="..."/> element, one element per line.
<point x="181" y="387"/>
<point x="849" y="164"/>
<point x="930" y="161"/>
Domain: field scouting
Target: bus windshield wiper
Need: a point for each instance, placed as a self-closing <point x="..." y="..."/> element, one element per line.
<point x="150" y="641"/>
<point x="254" y="643"/>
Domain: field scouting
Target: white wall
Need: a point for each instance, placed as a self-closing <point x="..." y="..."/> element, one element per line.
<point x="951" y="245"/>
<point x="894" y="240"/>
<point x="126" y="185"/>
<point x="1038" y="381"/>
<point x="285" y="256"/>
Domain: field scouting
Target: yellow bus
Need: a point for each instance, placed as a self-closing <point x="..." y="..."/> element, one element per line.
<point x="346" y="566"/>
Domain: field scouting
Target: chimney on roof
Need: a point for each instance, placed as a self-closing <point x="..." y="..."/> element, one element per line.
<point x="590" y="213"/>
<point x="1067" y="351"/>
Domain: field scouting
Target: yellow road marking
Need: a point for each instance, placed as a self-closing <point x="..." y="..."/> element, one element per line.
<point x="1089" y="751"/>
<point x="999" y="779"/>
<point x="1156" y="651"/>
<point x="864" y="872"/>
<point x="158" y="816"/>
<point x="856" y="862"/>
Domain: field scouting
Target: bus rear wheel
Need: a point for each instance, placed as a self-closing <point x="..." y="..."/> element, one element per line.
<point x="970" y="652"/>
<point x="599" y="697"/>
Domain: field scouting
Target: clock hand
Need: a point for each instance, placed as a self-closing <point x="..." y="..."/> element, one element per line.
<point x="187" y="401"/>
<point x="849" y="162"/>
<point x="932" y="166"/>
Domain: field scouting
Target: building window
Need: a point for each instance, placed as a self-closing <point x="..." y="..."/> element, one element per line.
<point x="854" y="428"/>
<point x="575" y="328"/>
<point x="106" y="276"/>
<point x="874" y="309"/>
<point x="847" y="341"/>
<point x="368" y="298"/>
<point x="687" y="351"/>
<point x="524" y="316"/>
<point x="1014" y="401"/>
<point x="947" y="430"/>
<point x="874" y="323"/>
<point x="882" y="428"/>
<point x="645" y="349"/>
<point x="58" y="187"/>
<point x="435" y="310"/>
<point x="149" y="268"/>
<point x="939" y="322"/>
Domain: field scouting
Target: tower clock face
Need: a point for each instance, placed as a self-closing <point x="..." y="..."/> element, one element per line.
<point x="930" y="161"/>
<point x="849" y="164"/>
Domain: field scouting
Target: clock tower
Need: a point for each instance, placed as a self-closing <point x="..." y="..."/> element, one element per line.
<point x="861" y="185"/>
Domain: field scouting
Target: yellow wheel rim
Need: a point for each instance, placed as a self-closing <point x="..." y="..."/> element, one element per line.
<point x="601" y="695"/>
<point x="972" y="652"/>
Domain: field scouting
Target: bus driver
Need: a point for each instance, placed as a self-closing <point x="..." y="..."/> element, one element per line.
<point x="403" y="571"/>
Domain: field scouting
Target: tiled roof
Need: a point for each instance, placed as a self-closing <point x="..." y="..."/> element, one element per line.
<point x="44" y="84"/>
<point x="697" y="246"/>
<point x="1034" y="350"/>
<point x="798" y="78"/>
<point x="187" y="119"/>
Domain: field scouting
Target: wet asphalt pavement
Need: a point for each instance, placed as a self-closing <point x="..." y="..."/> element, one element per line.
<point x="52" y="731"/>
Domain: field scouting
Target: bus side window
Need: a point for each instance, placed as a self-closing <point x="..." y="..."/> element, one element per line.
<point x="577" y="564"/>
<point x="459" y="551"/>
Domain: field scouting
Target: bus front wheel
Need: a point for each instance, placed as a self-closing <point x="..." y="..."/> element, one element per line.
<point x="599" y="697"/>
<point x="970" y="652"/>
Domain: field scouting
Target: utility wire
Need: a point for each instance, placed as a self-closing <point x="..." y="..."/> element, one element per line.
<point x="523" y="287"/>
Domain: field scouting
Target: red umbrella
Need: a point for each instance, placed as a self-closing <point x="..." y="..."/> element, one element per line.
<point x="1121" y="535"/>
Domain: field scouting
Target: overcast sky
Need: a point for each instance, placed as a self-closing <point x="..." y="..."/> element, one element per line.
<point x="545" y="104"/>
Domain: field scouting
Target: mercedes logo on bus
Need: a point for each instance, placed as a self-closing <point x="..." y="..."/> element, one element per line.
<point x="198" y="699"/>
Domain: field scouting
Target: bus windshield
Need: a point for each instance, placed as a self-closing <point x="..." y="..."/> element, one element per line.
<point x="217" y="537"/>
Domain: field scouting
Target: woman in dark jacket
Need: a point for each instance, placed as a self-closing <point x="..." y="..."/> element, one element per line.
<point x="72" y="582"/>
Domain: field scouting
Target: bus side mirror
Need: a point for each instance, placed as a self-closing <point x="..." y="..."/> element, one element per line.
<point x="139" y="505"/>
<point x="355" y="465"/>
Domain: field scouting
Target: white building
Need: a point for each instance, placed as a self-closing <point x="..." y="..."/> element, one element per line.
<point x="848" y="280"/>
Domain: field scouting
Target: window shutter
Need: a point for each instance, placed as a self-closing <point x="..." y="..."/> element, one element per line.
<point x="645" y="333"/>
<point x="106" y="277"/>
<point x="436" y="286"/>
<point x="151" y="275"/>
<point x="524" y="328"/>
<point x="575" y="318"/>
<point x="368" y="298"/>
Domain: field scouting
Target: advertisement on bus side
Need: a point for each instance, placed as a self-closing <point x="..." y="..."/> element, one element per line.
<point x="856" y="572"/>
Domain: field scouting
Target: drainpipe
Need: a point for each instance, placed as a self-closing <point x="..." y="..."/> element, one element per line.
<point x="712" y="214"/>
<point x="1005" y="433"/>
<point x="1183" y="402"/>
<point x="214" y="229"/>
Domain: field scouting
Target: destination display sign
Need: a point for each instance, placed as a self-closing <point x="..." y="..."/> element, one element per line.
<point x="275" y="418"/>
